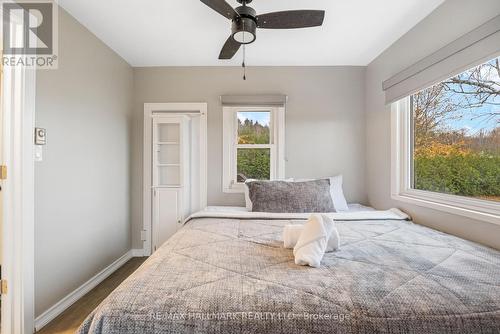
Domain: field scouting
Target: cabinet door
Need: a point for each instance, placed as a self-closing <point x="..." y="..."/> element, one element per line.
<point x="167" y="215"/>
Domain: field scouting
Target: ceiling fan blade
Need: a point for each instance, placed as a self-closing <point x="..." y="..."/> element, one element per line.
<point x="229" y="49"/>
<point x="222" y="7"/>
<point x="291" y="19"/>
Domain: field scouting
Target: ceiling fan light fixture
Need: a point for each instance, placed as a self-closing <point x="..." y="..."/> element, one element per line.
<point x="244" y="37"/>
<point x="244" y="30"/>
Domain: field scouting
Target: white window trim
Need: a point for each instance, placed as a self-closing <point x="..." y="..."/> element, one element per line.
<point x="230" y="146"/>
<point x="401" y="175"/>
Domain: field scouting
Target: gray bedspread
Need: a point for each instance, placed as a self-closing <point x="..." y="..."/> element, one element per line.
<point x="233" y="276"/>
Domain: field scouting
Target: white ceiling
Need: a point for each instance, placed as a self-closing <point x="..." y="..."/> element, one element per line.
<point x="188" y="33"/>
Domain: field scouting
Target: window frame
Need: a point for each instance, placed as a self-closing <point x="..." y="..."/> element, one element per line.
<point x="402" y="174"/>
<point x="230" y="145"/>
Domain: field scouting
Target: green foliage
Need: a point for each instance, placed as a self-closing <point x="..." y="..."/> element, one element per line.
<point x="472" y="175"/>
<point x="457" y="134"/>
<point x="254" y="164"/>
<point x="250" y="132"/>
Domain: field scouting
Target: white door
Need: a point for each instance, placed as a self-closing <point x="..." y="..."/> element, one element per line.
<point x="175" y="161"/>
<point x="167" y="214"/>
<point x="171" y="175"/>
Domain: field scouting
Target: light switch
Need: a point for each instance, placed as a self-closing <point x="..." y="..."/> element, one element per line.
<point x="40" y="136"/>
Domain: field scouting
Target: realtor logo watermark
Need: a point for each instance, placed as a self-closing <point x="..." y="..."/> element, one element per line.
<point x="30" y="34"/>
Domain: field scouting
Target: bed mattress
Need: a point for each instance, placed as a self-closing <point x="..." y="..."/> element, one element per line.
<point x="229" y="273"/>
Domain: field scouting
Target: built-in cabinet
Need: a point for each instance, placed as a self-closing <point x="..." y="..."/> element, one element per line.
<point x="174" y="168"/>
<point x="171" y="175"/>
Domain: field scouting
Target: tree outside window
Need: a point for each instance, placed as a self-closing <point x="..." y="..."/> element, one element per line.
<point x="456" y="134"/>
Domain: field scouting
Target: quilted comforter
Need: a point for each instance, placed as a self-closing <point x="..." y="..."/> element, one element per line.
<point x="232" y="275"/>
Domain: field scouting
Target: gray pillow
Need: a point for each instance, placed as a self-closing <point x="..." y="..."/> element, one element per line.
<point x="291" y="197"/>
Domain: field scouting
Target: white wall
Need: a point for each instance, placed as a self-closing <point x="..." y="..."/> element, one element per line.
<point x="83" y="185"/>
<point x="324" y="120"/>
<point x="448" y="22"/>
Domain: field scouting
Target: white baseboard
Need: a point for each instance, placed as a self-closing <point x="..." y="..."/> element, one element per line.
<point x="138" y="252"/>
<point x="81" y="291"/>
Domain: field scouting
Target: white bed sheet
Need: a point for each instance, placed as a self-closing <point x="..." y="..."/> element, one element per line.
<point x="356" y="212"/>
<point x="353" y="207"/>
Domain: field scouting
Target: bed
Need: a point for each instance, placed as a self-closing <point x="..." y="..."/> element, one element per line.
<point x="226" y="271"/>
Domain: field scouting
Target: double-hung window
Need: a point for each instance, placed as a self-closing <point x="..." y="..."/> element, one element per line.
<point x="446" y="144"/>
<point x="253" y="145"/>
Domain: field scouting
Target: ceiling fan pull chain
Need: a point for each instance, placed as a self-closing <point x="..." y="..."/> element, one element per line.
<point x="244" y="57"/>
<point x="244" y="65"/>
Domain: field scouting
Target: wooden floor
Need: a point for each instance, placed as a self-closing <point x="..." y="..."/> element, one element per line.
<point x="69" y="321"/>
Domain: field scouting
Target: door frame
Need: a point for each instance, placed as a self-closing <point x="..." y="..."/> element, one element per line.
<point x="18" y="107"/>
<point x="151" y="109"/>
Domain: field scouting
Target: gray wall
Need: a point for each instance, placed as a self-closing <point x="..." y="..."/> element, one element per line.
<point x="324" y="120"/>
<point x="82" y="190"/>
<point x="448" y="22"/>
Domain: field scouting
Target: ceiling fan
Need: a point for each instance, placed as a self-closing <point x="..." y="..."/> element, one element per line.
<point x="245" y="22"/>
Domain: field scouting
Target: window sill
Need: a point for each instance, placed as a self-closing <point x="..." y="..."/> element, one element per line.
<point x="465" y="207"/>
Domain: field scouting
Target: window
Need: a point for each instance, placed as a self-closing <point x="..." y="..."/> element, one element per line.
<point x="253" y="145"/>
<point x="447" y="142"/>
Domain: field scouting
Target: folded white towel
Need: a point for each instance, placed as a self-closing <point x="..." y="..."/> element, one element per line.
<point x="313" y="241"/>
<point x="291" y="234"/>
<point x="334" y="241"/>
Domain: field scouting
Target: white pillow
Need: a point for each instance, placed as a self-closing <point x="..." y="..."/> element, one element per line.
<point x="337" y="193"/>
<point x="248" y="201"/>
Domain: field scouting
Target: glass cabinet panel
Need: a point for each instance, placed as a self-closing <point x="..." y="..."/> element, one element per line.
<point x="168" y="133"/>
<point x="169" y="176"/>
<point x="168" y="154"/>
